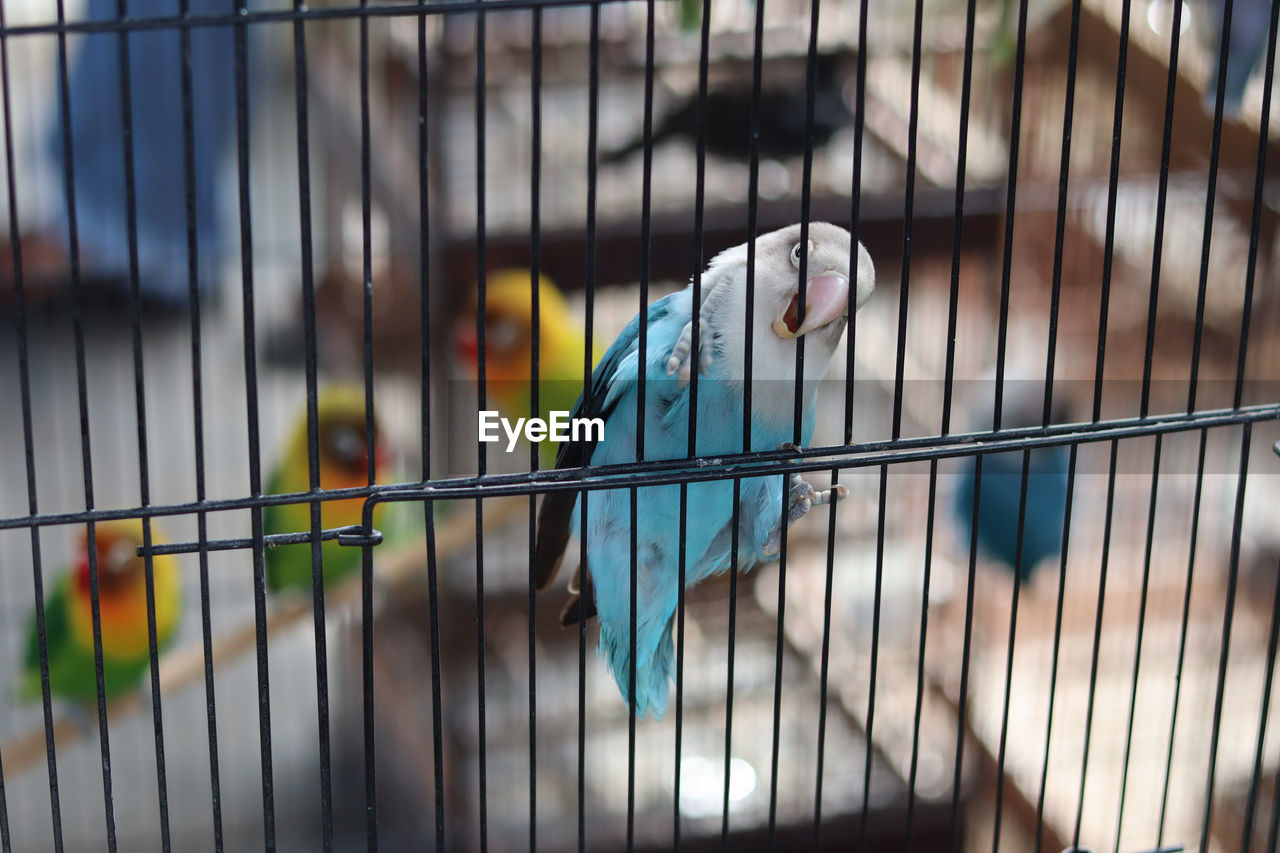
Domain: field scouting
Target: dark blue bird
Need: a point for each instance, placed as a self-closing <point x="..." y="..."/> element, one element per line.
<point x="999" y="501"/>
<point x="1250" y="32"/>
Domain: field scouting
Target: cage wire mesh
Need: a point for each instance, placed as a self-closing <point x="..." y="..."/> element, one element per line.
<point x="265" y="263"/>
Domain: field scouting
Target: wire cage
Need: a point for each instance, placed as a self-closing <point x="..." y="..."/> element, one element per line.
<point x="264" y="265"/>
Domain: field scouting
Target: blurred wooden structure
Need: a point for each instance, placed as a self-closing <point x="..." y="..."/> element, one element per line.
<point x="442" y="145"/>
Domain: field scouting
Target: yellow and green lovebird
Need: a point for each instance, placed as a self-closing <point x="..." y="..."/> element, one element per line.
<point x="122" y="598"/>
<point x="341" y="431"/>
<point x="508" y="332"/>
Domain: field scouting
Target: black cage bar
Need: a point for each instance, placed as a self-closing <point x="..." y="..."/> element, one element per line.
<point x="266" y="265"/>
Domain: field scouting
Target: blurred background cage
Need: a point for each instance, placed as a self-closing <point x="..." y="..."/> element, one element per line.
<point x="1074" y="230"/>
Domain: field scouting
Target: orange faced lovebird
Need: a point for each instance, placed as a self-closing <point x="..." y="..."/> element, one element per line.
<point x="122" y="599"/>
<point x="342" y="432"/>
<point x="508" y="332"/>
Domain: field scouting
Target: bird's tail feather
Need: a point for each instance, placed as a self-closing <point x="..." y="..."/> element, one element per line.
<point x="576" y="610"/>
<point x="654" y="654"/>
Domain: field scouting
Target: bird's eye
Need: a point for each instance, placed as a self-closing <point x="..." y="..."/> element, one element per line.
<point x="795" y="256"/>
<point x="502" y="334"/>
<point x="119" y="557"/>
<point x="347" y="444"/>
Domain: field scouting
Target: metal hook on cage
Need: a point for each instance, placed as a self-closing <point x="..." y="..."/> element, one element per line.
<point x="1175" y="849"/>
<point x="357" y="536"/>
<point x="352" y="534"/>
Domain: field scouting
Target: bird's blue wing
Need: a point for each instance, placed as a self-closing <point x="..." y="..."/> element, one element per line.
<point x="605" y="389"/>
<point x="602" y="397"/>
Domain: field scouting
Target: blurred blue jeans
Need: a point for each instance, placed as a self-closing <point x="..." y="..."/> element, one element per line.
<point x="159" y="162"/>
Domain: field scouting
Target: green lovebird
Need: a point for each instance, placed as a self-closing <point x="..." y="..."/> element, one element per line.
<point x="508" y="332"/>
<point x="122" y="598"/>
<point x="343" y="464"/>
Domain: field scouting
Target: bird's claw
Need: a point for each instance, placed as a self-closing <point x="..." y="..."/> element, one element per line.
<point x="678" y="362"/>
<point x="801" y="500"/>
<point x="803" y="497"/>
<point x="830" y="496"/>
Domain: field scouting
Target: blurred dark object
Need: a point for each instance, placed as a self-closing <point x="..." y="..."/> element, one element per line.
<point x="125" y="97"/>
<point x="45" y="269"/>
<point x="339" y="305"/>
<point x="1249" y="34"/>
<point x="1000" y="499"/>
<point x="781" y="120"/>
<point x="47" y="284"/>
<point x="1177" y="849"/>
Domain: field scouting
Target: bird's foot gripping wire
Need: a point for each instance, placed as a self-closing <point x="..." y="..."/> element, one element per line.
<point x="801" y="499"/>
<point x="678" y="363"/>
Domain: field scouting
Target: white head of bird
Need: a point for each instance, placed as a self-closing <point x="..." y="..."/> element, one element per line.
<point x="777" y="322"/>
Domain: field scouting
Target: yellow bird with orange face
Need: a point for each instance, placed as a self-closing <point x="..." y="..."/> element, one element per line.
<point x="122" y="604"/>
<point x="342" y="433"/>
<point x="508" y="334"/>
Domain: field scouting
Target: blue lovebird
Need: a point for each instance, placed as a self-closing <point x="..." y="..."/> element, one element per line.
<point x="1250" y="32"/>
<point x="776" y="325"/>
<point x="998" y="506"/>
